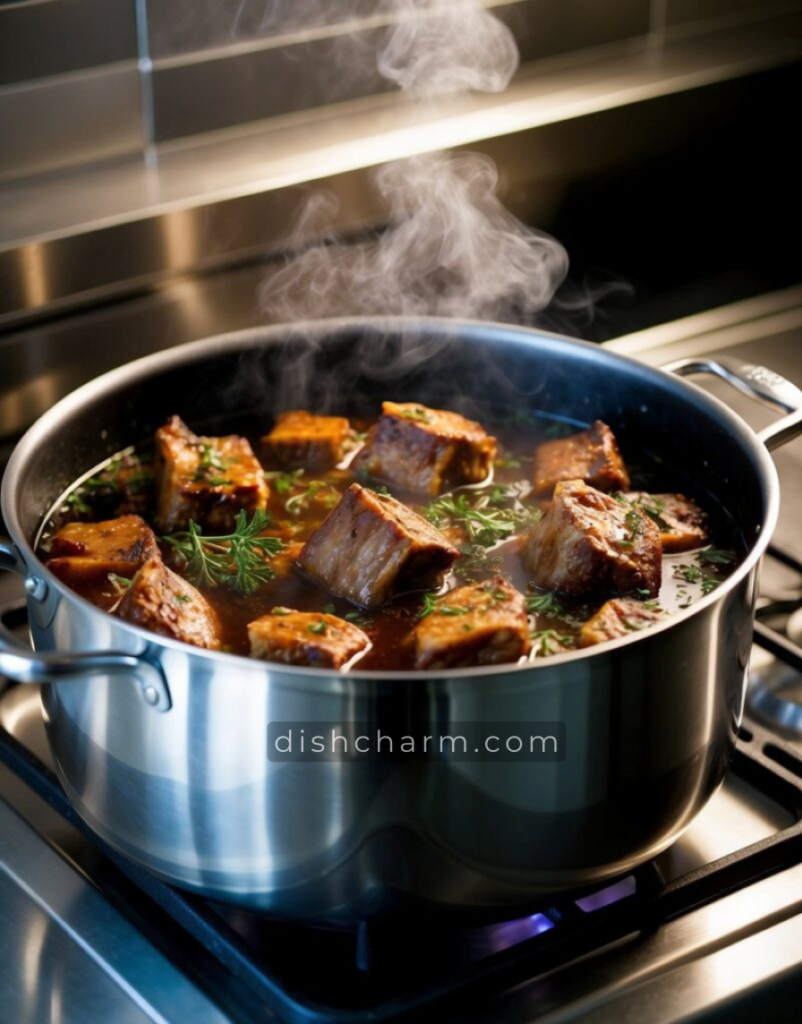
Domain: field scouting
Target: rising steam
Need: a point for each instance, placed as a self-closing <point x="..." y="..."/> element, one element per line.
<point x="451" y="249"/>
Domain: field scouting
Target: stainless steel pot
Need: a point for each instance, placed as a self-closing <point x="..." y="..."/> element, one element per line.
<point x="163" y="747"/>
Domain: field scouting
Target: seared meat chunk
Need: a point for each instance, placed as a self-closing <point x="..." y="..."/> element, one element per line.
<point x="591" y="455"/>
<point x="426" y="450"/>
<point x="85" y="552"/>
<point x="371" y="546"/>
<point x="160" y="600"/>
<point x="305" y="638"/>
<point x="618" y="618"/>
<point x="205" y="479"/>
<point x="301" y="439"/>
<point x="590" y="543"/>
<point x="682" y="524"/>
<point x="481" y="624"/>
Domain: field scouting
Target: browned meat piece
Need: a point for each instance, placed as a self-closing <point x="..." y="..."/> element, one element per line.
<point x="590" y="543"/>
<point x="301" y="439"/>
<point x="206" y="479"/>
<point x="426" y="450"/>
<point x="618" y="618"/>
<point x="480" y="624"/>
<point x="161" y="601"/>
<point x="371" y="546"/>
<point x="591" y="455"/>
<point x="84" y="552"/>
<point x="682" y="524"/>
<point x="305" y="638"/>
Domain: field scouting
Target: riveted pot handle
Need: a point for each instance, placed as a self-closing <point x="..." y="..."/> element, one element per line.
<point x="757" y="382"/>
<point x="22" y="665"/>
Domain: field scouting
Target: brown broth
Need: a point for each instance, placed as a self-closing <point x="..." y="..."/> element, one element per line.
<point x="295" y="512"/>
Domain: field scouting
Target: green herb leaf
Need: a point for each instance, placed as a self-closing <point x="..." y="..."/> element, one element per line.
<point x="717" y="556"/>
<point x="545" y="603"/>
<point x="549" y="641"/>
<point x="484" y="525"/>
<point x="237" y="560"/>
<point x="416" y="413"/>
<point x="119" y="583"/>
<point x="317" y="627"/>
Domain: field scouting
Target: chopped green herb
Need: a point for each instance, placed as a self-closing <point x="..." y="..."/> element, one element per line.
<point x="642" y="594"/>
<point x="709" y="585"/>
<point x="416" y="413"/>
<point x="182" y="598"/>
<point x="219" y="481"/>
<point x="236" y="560"/>
<point x="316" y="490"/>
<point x="549" y="641"/>
<point x="211" y="461"/>
<point x="357" y="618"/>
<point x="282" y="482"/>
<point x="485" y="526"/>
<point x="317" y="627"/>
<point x="717" y="556"/>
<point x="545" y="603"/>
<point x="329" y="609"/>
<point x="688" y="573"/>
<point x="119" y="583"/>
<point x="280" y="611"/>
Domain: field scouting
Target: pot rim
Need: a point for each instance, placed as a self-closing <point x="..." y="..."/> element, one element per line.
<point x="321" y="330"/>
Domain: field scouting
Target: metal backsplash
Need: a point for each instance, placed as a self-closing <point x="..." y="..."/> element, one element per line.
<point x="83" y="81"/>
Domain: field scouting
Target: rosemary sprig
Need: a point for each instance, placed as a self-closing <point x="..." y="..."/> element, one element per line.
<point x="236" y="560"/>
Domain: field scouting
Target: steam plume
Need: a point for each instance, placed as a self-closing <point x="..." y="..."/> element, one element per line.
<point x="451" y="249"/>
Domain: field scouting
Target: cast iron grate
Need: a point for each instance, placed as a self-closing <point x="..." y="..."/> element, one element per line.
<point x="390" y="970"/>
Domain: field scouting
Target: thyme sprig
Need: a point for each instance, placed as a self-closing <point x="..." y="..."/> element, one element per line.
<point x="484" y="523"/>
<point x="236" y="560"/>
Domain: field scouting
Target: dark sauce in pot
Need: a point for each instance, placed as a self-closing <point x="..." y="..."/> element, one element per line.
<point x="300" y="501"/>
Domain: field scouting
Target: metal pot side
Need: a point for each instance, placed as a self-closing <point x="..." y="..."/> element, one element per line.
<point x="190" y="793"/>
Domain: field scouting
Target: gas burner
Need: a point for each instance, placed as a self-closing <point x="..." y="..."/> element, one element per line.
<point x="775" y="692"/>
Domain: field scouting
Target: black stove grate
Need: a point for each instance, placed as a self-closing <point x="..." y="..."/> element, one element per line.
<point x="390" y="970"/>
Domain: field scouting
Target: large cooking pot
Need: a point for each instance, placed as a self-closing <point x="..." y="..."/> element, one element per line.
<point x="162" y="747"/>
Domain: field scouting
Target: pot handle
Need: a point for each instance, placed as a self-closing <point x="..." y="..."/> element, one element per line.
<point x="757" y="382"/>
<point x="22" y="665"/>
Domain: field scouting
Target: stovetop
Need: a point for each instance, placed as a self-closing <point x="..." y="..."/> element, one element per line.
<point x="710" y="930"/>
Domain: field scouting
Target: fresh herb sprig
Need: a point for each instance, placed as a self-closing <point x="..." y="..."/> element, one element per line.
<point x="236" y="560"/>
<point x="485" y="524"/>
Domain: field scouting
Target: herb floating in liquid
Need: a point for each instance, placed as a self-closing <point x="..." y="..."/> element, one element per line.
<point x="717" y="556"/>
<point x="545" y="603"/>
<point x="549" y="641"/>
<point x="235" y="560"/>
<point x="485" y="526"/>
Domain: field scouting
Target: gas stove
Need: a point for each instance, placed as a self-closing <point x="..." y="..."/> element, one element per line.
<point x="710" y="929"/>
